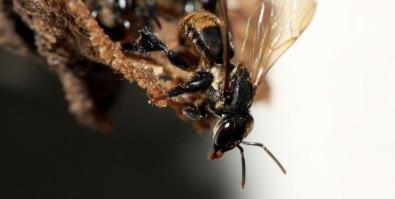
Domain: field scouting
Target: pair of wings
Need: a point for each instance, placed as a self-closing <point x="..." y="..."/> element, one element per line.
<point x="272" y="27"/>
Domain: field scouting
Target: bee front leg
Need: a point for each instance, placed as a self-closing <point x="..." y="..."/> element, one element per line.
<point x="149" y="42"/>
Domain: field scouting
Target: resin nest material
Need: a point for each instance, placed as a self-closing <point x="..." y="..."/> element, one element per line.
<point x="89" y="65"/>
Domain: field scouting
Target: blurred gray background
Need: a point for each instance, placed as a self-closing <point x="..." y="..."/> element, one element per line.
<point x="150" y="154"/>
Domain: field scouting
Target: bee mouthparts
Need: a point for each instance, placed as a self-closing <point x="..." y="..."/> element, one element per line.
<point x="214" y="155"/>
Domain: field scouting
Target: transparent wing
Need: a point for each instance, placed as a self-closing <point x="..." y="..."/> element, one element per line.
<point x="271" y="29"/>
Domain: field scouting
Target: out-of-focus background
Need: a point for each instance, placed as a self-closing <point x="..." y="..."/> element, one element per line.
<point x="330" y="121"/>
<point x="46" y="154"/>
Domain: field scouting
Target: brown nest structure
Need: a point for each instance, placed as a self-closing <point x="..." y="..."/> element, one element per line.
<point x="88" y="63"/>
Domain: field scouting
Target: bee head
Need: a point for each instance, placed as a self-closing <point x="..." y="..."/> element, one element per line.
<point x="229" y="133"/>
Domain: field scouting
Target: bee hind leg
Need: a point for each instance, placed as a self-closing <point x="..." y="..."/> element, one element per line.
<point x="152" y="13"/>
<point x="201" y="81"/>
<point x="149" y="42"/>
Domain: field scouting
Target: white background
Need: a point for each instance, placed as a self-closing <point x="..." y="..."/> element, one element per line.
<point x="331" y="120"/>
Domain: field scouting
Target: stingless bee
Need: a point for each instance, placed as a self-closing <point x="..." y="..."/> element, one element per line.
<point x="230" y="87"/>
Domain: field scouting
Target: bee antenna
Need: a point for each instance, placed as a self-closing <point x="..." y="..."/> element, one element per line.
<point x="243" y="167"/>
<point x="268" y="152"/>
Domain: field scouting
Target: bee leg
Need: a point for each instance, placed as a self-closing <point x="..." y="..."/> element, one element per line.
<point x="209" y="5"/>
<point x="152" y="13"/>
<point x="178" y="61"/>
<point x="149" y="42"/>
<point x="200" y="82"/>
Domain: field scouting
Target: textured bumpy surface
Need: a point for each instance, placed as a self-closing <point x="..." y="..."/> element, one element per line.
<point x="88" y="63"/>
<point x="8" y="37"/>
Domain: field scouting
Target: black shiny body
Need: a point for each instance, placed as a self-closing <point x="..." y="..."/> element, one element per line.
<point x="234" y="110"/>
<point x="242" y="93"/>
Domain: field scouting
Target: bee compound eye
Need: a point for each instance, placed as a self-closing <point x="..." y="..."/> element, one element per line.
<point x="225" y="135"/>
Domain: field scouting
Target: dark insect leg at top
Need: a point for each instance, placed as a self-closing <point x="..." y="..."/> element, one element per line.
<point x="209" y="5"/>
<point x="145" y="10"/>
<point x="151" y="12"/>
<point x="121" y="19"/>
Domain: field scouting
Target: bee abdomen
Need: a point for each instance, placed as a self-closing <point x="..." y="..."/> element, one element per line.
<point x="202" y="29"/>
